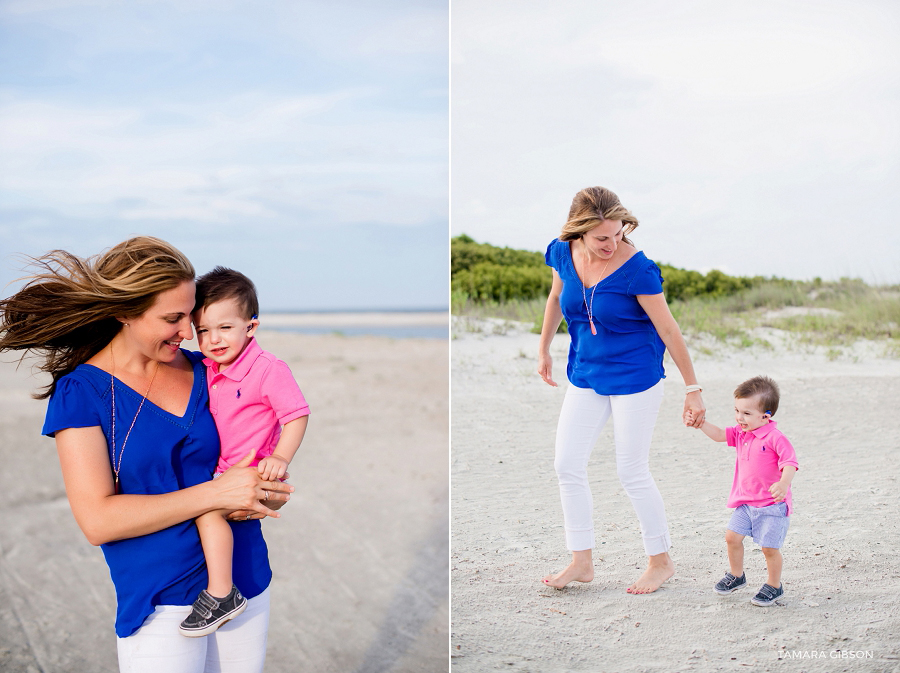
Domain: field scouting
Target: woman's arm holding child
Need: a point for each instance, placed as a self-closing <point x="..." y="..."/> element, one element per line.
<point x="275" y="466"/>
<point x="104" y="516"/>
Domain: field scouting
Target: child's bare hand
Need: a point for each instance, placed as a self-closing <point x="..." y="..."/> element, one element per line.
<point x="272" y="468"/>
<point x="778" y="491"/>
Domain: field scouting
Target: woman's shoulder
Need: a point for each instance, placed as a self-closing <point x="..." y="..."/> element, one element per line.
<point x="639" y="259"/>
<point x="556" y="251"/>
<point x="83" y="378"/>
<point x="78" y="400"/>
<point x="642" y="274"/>
<point x="637" y="263"/>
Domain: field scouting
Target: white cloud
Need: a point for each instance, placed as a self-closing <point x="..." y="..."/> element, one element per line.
<point x="710" y="119"/>
<point x="251" y="133"/>
<point x="253" y="154"/>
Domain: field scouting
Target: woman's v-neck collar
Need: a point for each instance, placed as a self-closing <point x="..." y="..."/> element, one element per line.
<point x="571" y="261"/>
<point x="192" y="400"/>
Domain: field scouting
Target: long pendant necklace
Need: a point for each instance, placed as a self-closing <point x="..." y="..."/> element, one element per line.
<point x="117" y="460"/>
<point x="590" y="306"/>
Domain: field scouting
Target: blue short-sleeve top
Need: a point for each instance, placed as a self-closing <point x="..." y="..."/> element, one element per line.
<point x="626" y="354"/>
<point x="164" y="453"/>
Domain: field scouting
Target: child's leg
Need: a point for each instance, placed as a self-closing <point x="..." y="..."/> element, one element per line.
<point x="773" y="565"/>
<point x="735" y="544"/>
<point x="218" y="547"/>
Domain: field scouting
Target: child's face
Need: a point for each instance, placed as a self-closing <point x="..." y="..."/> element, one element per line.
<point x="222" y="331"/>
<point x="748" y="414"/>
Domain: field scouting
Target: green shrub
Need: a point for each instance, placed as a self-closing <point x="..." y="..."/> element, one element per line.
<point x="466" y="254"/>
<point x="488" y="281"/>
<point x="486" y="272"/>
<point x="681" y="284"/>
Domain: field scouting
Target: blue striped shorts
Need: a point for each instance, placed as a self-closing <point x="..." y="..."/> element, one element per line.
<point x="768" y="525"/>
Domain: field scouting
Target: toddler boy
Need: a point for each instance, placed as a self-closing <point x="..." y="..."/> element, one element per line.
<point x="256" y="404"/>
<point x="761" y="491"/>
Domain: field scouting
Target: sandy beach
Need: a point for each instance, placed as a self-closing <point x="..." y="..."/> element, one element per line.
<point x="840" y="611"/>
<point x="359" y="556"/>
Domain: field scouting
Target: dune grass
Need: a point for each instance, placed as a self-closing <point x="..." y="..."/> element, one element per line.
<point x="520" y="310"/>
<point x="834" y="315"/>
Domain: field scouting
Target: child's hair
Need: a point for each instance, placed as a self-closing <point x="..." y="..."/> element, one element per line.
<point x="222" y="283"/>
<point x="763" y="386"/>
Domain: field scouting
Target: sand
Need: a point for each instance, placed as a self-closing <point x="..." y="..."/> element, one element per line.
<point x="841" y="608"/>
<point x="359" y="556"/>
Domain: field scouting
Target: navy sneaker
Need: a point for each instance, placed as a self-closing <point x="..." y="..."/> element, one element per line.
<point x="767" y="595"/>
<point x="730" y="583"/>
<point x="209" y="613"/>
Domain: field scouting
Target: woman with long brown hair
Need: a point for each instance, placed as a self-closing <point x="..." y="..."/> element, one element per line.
<point x="620" y="326"/>
<point x="137" y="445"/>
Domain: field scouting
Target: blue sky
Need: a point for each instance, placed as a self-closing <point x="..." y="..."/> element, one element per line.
<point x="303" y="143"/>
<point x="753" y="137"/>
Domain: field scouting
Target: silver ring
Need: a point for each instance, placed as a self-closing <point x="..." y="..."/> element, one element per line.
<point x="267" y="494"/>
<point x="247" y="518"/>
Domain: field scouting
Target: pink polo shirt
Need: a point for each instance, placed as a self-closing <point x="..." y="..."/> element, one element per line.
<point x="250" y="401"/>
<point x="761" y="454"/>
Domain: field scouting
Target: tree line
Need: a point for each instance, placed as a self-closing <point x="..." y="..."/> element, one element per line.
<point x="487" y="273"/>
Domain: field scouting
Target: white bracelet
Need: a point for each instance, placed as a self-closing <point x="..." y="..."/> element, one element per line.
<point x="692" y="389"/>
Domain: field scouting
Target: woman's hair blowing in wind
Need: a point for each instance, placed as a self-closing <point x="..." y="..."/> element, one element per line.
<point x="69" y="309"/>
<point x="590" y="207"/>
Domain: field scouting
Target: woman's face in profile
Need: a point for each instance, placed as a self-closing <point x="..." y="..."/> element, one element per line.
<point x="603" y="239"/>
<point x="159" y="331"/>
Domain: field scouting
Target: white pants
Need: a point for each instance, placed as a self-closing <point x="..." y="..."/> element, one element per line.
<point x="583" y="415"/>
<point x="238" y="646"/>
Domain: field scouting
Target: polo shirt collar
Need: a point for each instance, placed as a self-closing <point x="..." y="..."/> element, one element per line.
<point x="759" y="433"/>
<point x="241" y="366"/>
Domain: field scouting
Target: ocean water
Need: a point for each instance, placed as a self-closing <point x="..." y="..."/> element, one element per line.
<point x="393" y="331"/>
<point x="425" y="324"/>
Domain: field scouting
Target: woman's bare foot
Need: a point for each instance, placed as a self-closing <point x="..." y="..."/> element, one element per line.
<point x="581" y="569"/>
<point x="659" y="568"/>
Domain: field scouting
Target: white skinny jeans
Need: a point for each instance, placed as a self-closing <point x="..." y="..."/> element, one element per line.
<point x="583" y="415"/>
<point x="238" y="646"/>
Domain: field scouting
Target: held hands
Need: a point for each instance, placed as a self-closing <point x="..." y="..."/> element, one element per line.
<point x="243" y="490"/>
<point x="778" y="490"/>
<point x="694" y="410"/>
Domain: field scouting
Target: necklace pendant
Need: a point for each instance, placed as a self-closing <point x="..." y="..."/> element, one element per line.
<point x="118" y="487"/>
<point x="593" y="329"/>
